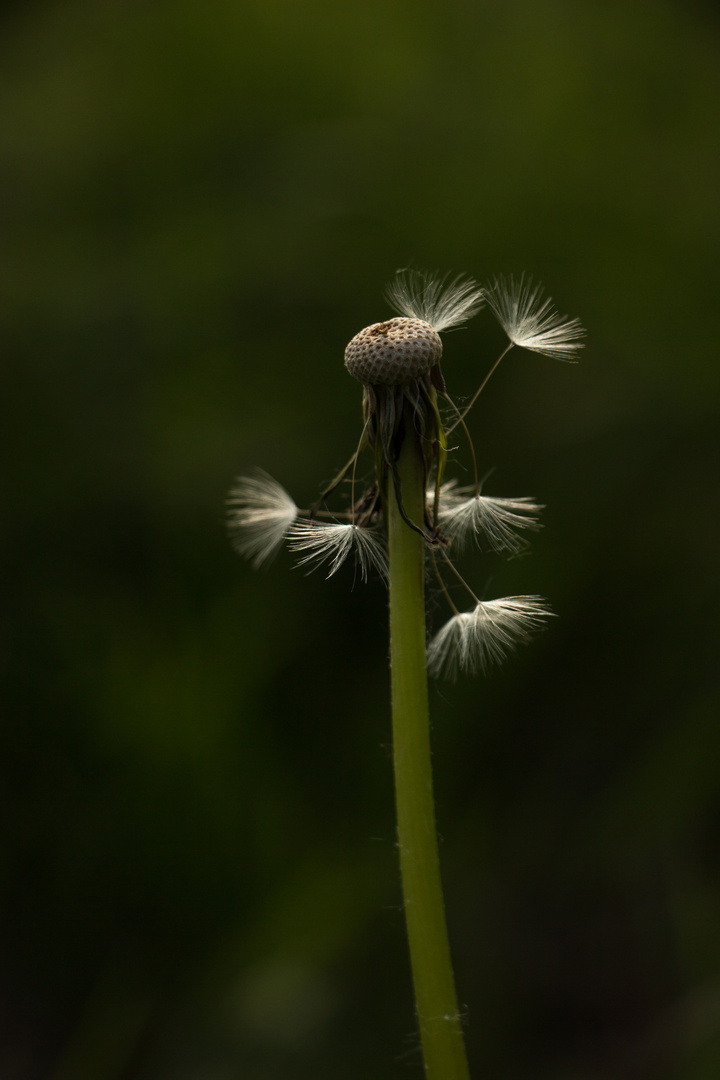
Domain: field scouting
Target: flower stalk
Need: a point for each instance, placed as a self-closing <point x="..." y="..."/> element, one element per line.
<point x="434" y="985"/>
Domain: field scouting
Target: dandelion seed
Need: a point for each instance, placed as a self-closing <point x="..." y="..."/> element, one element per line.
<point x="497" y="520"/>
<point x="334" y="542"/>
<point x="260" y="515"/>
<point x="530" y="321"/>
<point x="420" y="296"/>
<point x="475" y="639"/>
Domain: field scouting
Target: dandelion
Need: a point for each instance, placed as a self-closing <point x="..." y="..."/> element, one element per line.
<point x="530" y="321"/>
<point x="260" y="515"/>
<point x="334" y="542"/>
<point x="472" y="640"/>
<point x="410" y="509"/>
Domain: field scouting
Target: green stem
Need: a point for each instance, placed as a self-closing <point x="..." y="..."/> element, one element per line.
<point x="435" y="996"/>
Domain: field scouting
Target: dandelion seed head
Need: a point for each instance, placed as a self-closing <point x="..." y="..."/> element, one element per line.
<point x="260" y="513"/>
<point x="403" y="349"/>
<point x="444" y="305"/>
<point x="530" y="321"/>
<point x="398" y="362"/>
<point x="393" y="353"/>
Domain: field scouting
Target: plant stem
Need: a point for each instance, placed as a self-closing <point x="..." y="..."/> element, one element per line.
<point x="435" y="997"/>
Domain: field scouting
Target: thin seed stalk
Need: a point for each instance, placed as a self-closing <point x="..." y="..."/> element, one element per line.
<point x="435" y="996"/>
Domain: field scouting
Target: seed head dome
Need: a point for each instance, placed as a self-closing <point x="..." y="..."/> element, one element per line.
<point x="393" y="353"/>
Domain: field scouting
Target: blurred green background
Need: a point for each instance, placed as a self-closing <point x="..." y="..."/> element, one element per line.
<point x="201" y="205"/>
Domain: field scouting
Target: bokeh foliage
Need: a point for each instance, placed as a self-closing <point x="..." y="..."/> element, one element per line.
<point x="201" y="204"/>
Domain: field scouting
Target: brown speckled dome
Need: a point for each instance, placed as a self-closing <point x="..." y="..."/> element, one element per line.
<point x="394" y="352"/>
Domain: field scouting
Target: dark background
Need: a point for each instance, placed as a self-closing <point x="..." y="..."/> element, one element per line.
<point x="201" y="204"/>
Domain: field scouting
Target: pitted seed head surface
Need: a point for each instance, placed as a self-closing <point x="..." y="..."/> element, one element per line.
<point x="393" y="353"/>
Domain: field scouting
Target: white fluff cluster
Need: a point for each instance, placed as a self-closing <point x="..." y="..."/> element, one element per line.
<point x="498" y="521"/>
<point x="334" y="542"/>
<point x="259" y="517"/>
<point x="262" y="515"/>
<point x="473" y="640"/>
<point x="530" y="321"/>
<point x="444" y="306"/>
